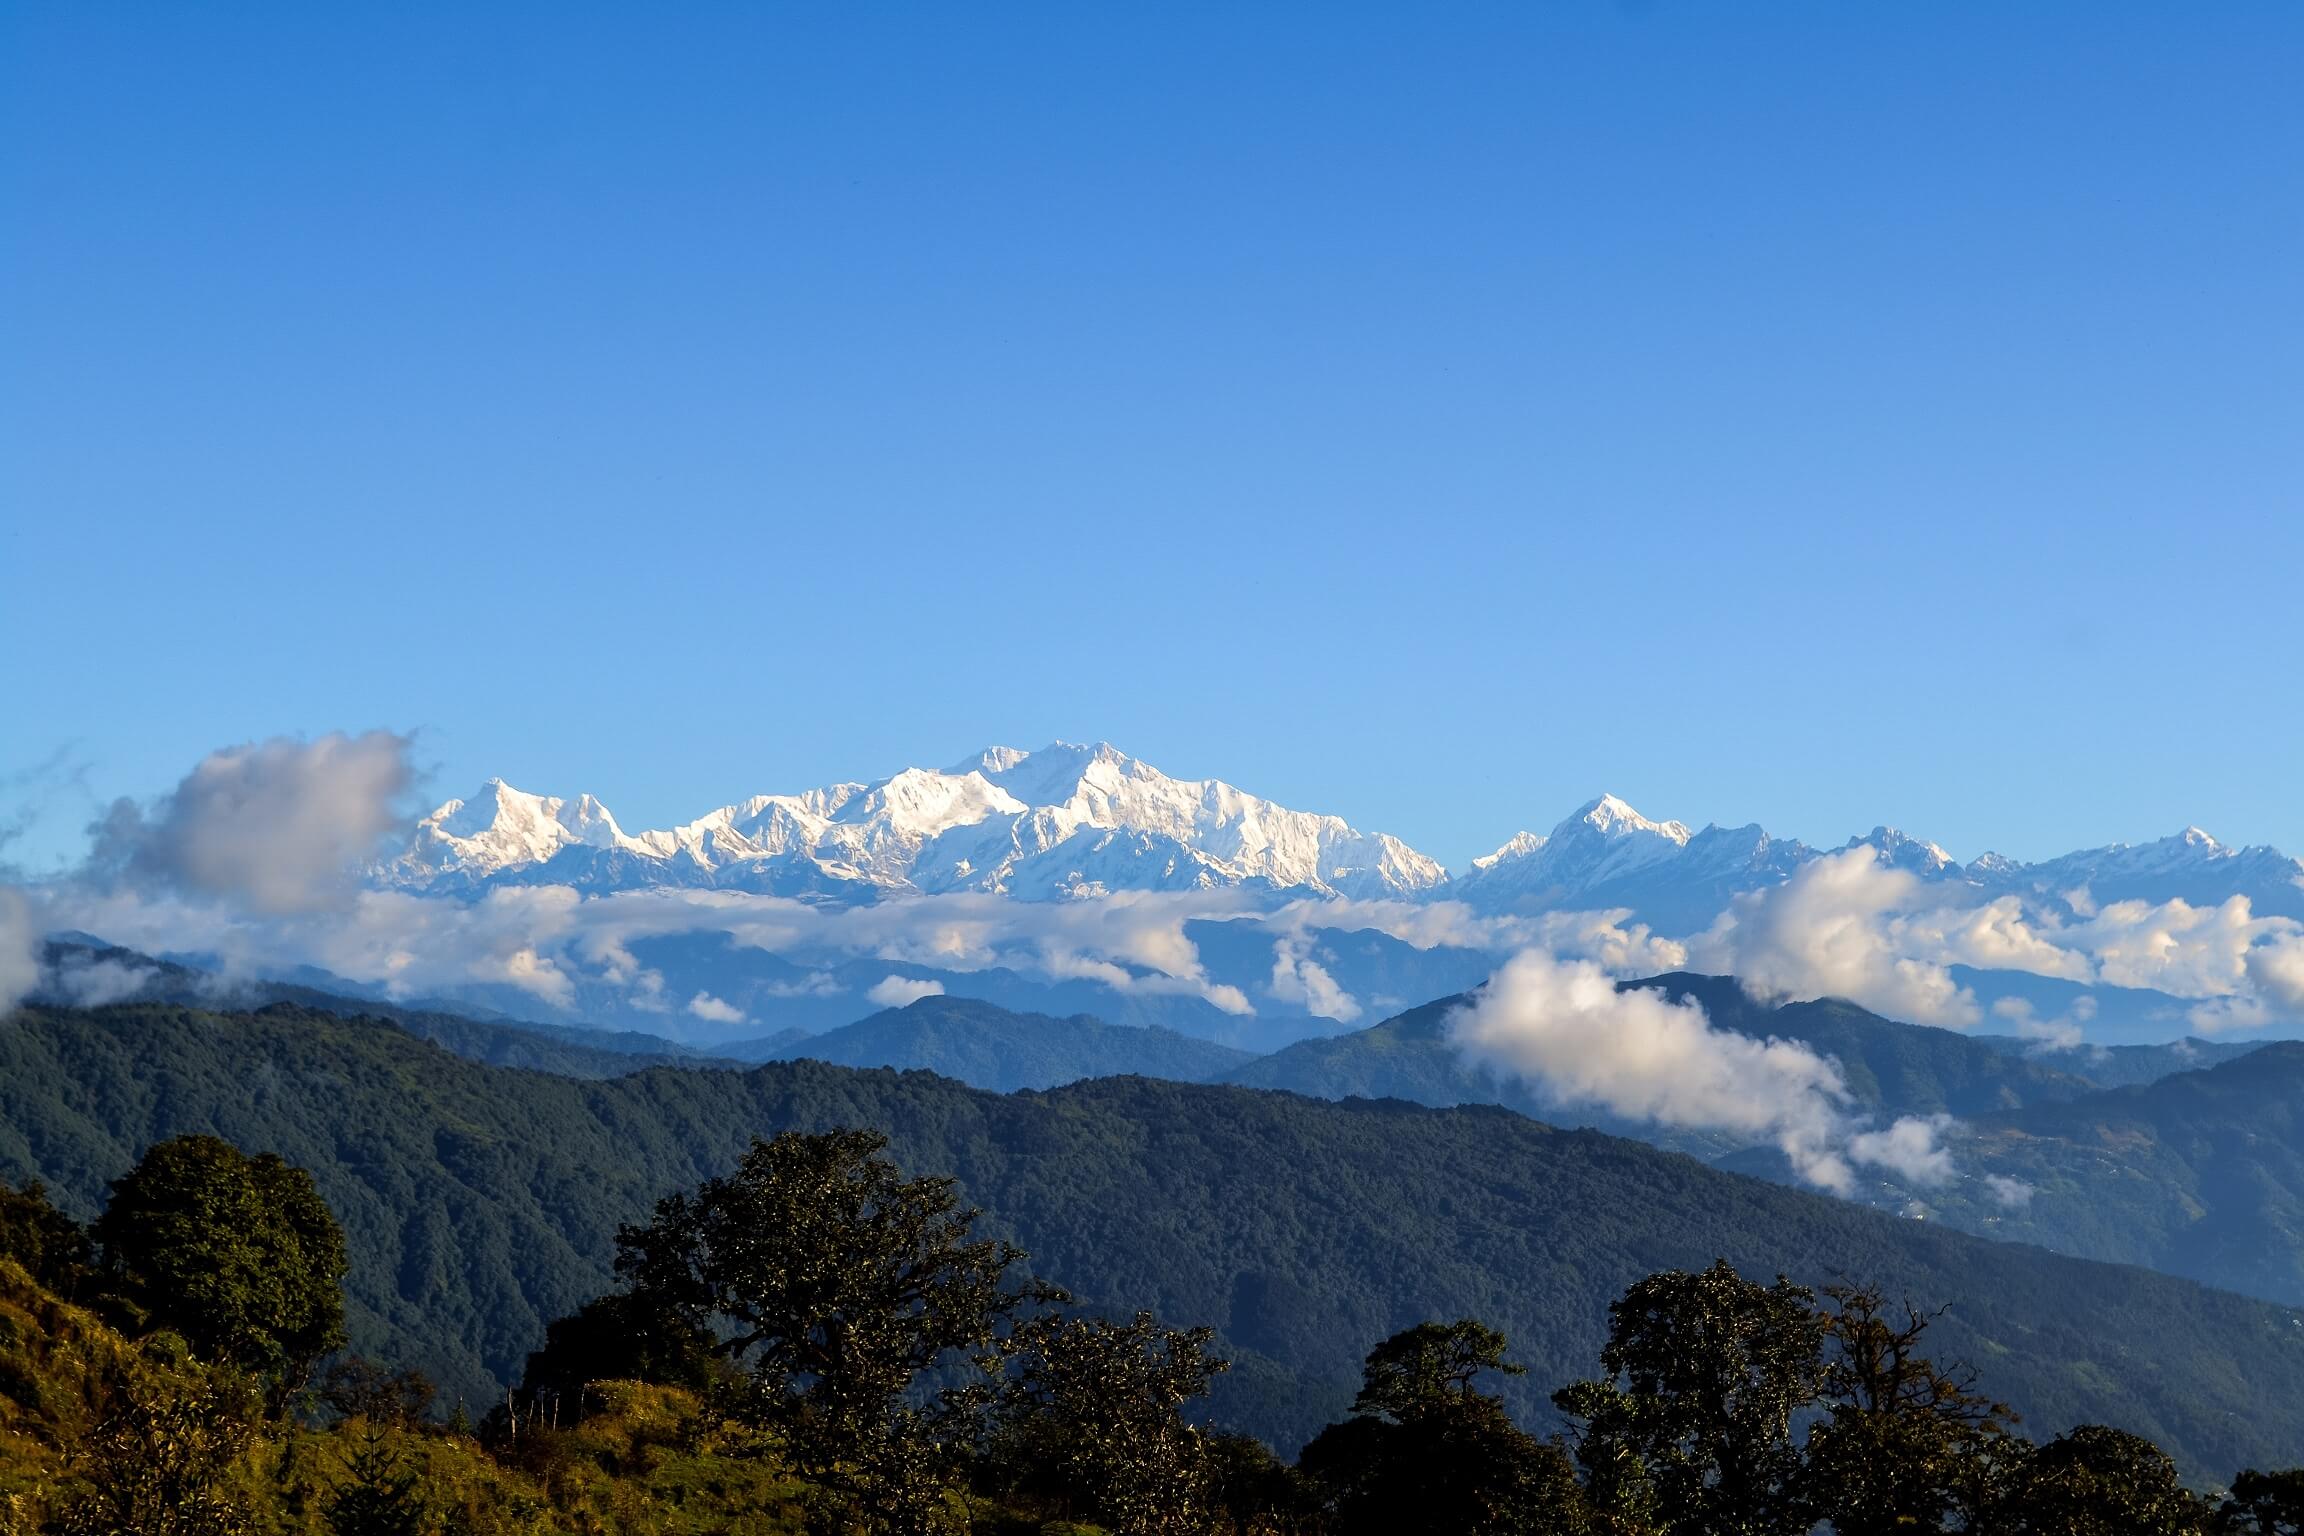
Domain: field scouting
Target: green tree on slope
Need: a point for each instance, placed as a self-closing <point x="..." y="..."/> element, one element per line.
<point x="238" y="1254"/>
<point x="843" y="1289"/>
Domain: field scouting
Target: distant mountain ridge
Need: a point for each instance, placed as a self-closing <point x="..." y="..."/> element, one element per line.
<point x="987" y="1046"/>
<point x="1065" y="821"/>
<point x="1070" y="821"/>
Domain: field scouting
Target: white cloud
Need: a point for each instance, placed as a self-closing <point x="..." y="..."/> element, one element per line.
<point x="900" y="991"/>
<point x="1626" y="948"/>
<point x="2223" y="1015"/>
<point x="705" y="1006"/>
<point x="280" y="825"/>
<point x="2014" y="1194"/>
<point x="1832" y="930"/>
<point x="1913" y="1148"/>
<point x="1621" y="948"/>
<point x="814" y="984"/>
<point x="1567" y="1030"/>
<point x="87" y="983"/>
<point x="1300" y="979"/>
<point x="2175" y="947"/>
<point x="2276" y="970"/>
<point x="2065" y="1032"/>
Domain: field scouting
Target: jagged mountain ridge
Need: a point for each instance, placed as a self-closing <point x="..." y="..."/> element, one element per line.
<point x="1069" y="821"/>
<point x="1066" y="821"/>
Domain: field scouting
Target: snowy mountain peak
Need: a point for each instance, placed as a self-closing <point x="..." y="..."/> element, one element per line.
<point x="501" y="827"/>
<point x="1519" y="846"/>
<point x="991" y="760"/>
<point x="1614" y="818"/>
<point x="1064" y="821"/>
<point x="1898" y="850"/>
<point x="1071" y="820"/>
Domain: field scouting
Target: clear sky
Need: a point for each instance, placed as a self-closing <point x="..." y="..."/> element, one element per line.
<point x="1816" y="413"/>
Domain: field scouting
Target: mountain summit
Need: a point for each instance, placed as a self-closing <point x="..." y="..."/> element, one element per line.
<point x="1065" y="821"/>
<point x="1072" y="820"/>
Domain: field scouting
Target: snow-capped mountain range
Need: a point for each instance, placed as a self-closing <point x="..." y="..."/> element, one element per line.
<point x="1063" y="822"/>
<point x="1069" y="821"/>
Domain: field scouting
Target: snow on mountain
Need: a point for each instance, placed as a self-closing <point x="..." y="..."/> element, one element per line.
<point x="2191" y="866"/>
<point x="1519" y="846"/>
<point x="1899" y="851"/>
<point x="1069" y="821"/>
<point x="1603" y="842"/>
<point x="501" y="827"/>
<point x="1064" y="821"/>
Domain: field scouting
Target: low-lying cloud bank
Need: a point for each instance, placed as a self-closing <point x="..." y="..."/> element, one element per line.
<point x="1568" y="1031"/>
<point x="254" y="858"/>
<point x="1849" y="926"/>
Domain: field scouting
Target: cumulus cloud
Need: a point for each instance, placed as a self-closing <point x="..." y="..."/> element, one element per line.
<point x="1300" y="979"/>
<point x="1608" y="939"/>
<point x="1913" y="1149"/>
<point x="900" y="991"/>
<point x="711" y="1009"/>
<point x="2276" y="970"/>
<point x="647" y="992"/>
<point x="2066" y="1032"/>
<point x="1565" y="1028"/>
<point x="2013" y="1194"/>
<point x="814" y="984"/>
<point x="20" y="933"/>
<point x="255" y="855"/>
<point x="279" y="825"/>
<point x="1833" y="930"/>
<point x="1846" y="925"/>
<point x="2176" y="947"/>
<point x="1609" y="936"/>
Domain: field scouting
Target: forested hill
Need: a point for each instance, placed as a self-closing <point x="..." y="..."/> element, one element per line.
<point x="73" y="970"/>
<point x="2200" y="1174"/>
<point x="480" y="1202"/>
<point x="993" y="1047"/>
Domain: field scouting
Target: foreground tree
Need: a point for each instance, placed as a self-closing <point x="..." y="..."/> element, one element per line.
<point x="1907" y="1447"/>
<point x="359" y="1388"/>
<point x="381" y="1494"/>
<point x="1427" y="1450"/>
<point x="52" y="1247"/>
<point x="157" y="1460"/>
<point x="869" y="1320"/>
<point x="2097" y="1481"/>
<point x="1094" y="1422"/>
<point x="621" y="1337"/>
<point x="1692" y="1427"/>
<point x="239" y="1255"/>
<point x="2263" y="1504"/>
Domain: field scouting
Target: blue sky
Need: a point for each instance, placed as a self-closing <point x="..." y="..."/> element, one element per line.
<point x="1811" y="413"/>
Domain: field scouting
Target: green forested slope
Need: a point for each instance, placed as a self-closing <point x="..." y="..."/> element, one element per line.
<point x="989" y="1046"/>
<point x="2200" y="1174"/>
<point x="480" y="1202"/>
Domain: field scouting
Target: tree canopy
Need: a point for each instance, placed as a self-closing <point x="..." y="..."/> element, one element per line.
<point x="238" y="1254"/>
